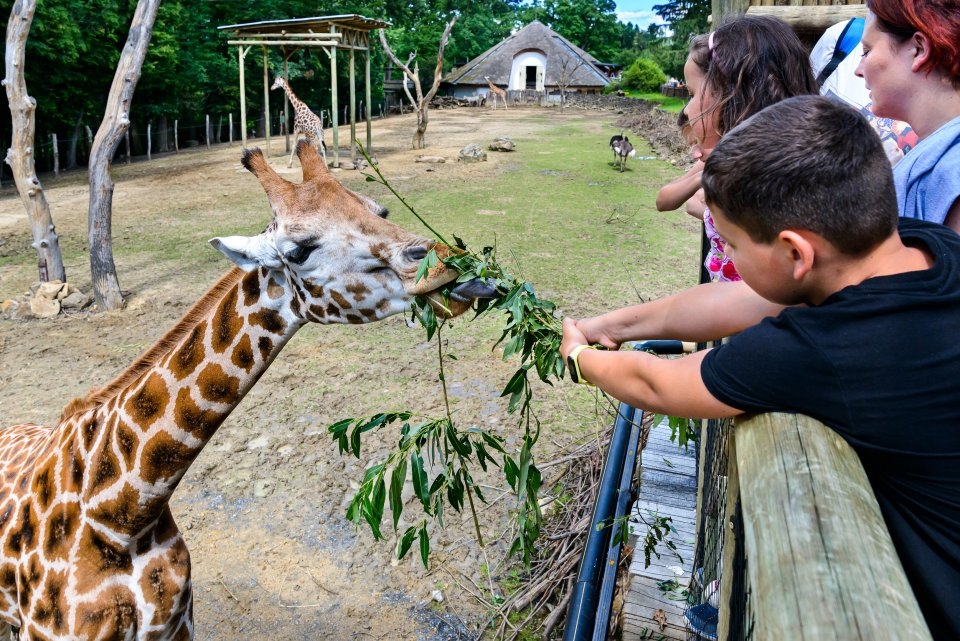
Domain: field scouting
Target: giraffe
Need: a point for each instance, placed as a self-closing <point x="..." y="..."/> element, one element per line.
<point x="88" y="545"/>
<point x="304" y="121"/>
<point x="500" y="94"/>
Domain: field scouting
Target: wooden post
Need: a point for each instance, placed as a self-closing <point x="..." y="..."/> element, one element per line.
<point x="266" y="100"/>
<point x="206" y="130"/>
<point x="353" y="107"/>
<point x="149" y="141"/>
<point x="126" y="138"/>
<point x="819" y="556"/>
<point x="334" y="102"/>
<point x="176" y="136"/>
<point x="241" y="53"/>
<point x="231" y="126"/>
<point x="56" y="155"/>
<point x="367" y="94"/>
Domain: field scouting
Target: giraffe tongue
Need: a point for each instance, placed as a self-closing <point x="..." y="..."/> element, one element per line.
<point x="473" y="289"/>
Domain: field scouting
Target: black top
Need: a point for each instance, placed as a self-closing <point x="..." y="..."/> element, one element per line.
<point x="879" y="363"/>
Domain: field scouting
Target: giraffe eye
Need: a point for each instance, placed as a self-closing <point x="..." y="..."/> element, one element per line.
<point x="300" y="253"/>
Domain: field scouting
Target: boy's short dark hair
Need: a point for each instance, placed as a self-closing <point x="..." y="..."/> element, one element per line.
<point x="809" y="163"/>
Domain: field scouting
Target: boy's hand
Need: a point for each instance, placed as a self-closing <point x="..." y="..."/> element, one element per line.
<point x="572" y="337"/>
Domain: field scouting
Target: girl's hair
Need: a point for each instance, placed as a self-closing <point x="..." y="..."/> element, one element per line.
<point x="751" y="62"/>
<point x="939" y="20"/>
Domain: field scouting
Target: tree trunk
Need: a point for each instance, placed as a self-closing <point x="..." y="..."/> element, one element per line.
<point x="116" y="122"/>
<point x="422" y="102"/>
<point x="20" y="154"/>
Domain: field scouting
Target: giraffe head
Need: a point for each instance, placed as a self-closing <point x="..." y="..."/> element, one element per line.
<point x="278" y="83"/>
<point x="336" y="249"/>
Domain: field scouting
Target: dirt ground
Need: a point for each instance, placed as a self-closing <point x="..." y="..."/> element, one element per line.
<point x="263" y="507"/>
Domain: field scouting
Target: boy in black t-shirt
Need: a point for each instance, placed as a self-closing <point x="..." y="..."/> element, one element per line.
<point x="840" y="316"/>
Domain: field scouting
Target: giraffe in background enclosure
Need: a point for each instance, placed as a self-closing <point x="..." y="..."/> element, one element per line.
<point x="499" y="94"/>
<point x="88" y="544"/>
<point x="304" y="121"/>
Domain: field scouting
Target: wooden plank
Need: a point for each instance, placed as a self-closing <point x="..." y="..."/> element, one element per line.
<point x="815" y="538"/>
<point x="815" y="19"/>
<point x="667" y="489"/>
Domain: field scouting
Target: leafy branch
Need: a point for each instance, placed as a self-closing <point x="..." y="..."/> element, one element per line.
<point x="437" y="446"/>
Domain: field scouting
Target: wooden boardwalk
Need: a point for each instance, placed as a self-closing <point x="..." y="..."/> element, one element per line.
<point x="668" y="488"/>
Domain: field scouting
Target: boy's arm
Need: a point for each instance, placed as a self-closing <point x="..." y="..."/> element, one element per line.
<point x="668" y="386"/>
<point x="703" y="313"/>
<point x="672" y="195"/>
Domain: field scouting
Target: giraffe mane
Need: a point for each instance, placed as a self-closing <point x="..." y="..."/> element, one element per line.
<point x="163" y="345"/>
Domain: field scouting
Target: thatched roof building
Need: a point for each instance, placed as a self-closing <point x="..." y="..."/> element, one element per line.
<point x="534" y="59"/>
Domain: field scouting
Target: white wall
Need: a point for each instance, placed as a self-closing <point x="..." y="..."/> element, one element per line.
<point x="518" y="70"/>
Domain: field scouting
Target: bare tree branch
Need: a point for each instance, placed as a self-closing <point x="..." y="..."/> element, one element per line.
<point x="421" y="103"/>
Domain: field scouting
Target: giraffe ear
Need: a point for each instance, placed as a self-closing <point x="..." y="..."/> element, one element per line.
<point x="248" y="252"/>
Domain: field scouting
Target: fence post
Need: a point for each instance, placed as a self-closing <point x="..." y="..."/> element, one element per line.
<point x="206" y="132"/>
<point x="56" y="155"/>
<point x="231" y="126"/>
<point x="149" y="141"/>
<point x="126" y="137"/>
<point x="176" y="137"/>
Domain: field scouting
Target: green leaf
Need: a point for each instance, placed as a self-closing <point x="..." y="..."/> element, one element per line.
<point x="406" y="541"/>
<point x="419" y="478"/>
<point x="429" y="261"/>
<point x="397" y="479"/>
<point x="424" y="547"/>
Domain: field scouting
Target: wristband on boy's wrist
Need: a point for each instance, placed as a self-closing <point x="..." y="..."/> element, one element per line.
<point x="574" y="366"/>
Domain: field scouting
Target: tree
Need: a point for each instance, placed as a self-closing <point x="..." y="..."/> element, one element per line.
<point x="20" y="155"/>
<point x="685" y="18"/>
<point x="566" y="68"/>
<point x="422" y="102"/>
<point x="116" y="121"/>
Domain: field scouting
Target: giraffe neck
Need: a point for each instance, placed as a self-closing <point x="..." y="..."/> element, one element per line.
<point x="137" y="445"/>
<point x="294" y="101"/>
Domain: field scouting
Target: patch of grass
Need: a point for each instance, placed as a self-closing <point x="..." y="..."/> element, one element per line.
<point x="667" y="103"/>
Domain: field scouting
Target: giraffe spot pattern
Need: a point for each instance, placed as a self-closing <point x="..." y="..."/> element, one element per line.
<point x="250" y="285"/>
<point x="164" y="457"/>
<point x="340" y="300"/>
<point x="186" y="359"/>
<point x="106" y="470"/>
<point x="265" y="345"/>
<point x="314" y="289"/>
<point x="57" y="532"/>
<point x="275" y="289"/>
<point x="112" y="616"/>
<point x="354" y="319"/>
<point x="127" y="442"/>
<point x="217" y="386"/>
<point x="52" y="603"/>
<point x="226" y="324"/>
<point x="333" y="310"/>
<point x="43" y="488"/>
<point x="128" y="513"/>
<point x="270" y="320"/>
<point x="149" y="402"/>
<point x="190" y="418"/>
<point x="243" y="354"/>
<point x="99" y="555"/>
<point x="359" y="291"/>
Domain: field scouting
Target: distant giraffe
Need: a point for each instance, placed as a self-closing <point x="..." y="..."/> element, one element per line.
<point x="88" y="544"/>
<point x="500" y="94"/>
<point x="304" y="121"/>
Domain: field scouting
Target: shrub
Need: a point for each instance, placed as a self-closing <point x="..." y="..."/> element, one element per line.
<point x="644" y="75"/>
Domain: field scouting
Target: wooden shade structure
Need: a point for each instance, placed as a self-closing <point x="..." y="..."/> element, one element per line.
<point x="329" y="33"/>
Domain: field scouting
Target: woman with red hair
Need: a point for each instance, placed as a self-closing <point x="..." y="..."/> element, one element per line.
<point x="911" y="65"/>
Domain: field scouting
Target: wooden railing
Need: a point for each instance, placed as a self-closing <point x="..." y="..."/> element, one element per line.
<point x="819" y="560"/>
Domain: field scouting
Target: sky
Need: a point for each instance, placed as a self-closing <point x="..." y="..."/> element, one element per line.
<point x="639" y="12"/>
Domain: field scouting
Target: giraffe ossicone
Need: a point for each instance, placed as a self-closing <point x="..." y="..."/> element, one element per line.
<point x="88" y="545"/>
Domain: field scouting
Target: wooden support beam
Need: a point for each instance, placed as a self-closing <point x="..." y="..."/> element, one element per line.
<point x="811" y="19"/>
<point x="819" y="557"/>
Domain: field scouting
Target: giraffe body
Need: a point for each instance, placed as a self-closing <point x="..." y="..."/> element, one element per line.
<point x="499" y="94"/>
<point x="88" y="545"/>
<point x="304" y="120"/>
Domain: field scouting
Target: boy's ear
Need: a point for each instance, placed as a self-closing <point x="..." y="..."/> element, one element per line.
<point x="802" y="252"/>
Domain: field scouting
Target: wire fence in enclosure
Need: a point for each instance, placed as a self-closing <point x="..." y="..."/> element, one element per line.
<point x="57" y="151"/>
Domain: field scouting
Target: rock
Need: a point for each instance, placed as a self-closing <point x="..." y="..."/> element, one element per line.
<point x="472" y="153"/>
<point x="431" y="159"/>
<point x="51" y="290"/>
<point x="502" y="143"/>
<point x="76" y="300"/>
<point x="43" y="307"/>
<point x="8" y="305"/>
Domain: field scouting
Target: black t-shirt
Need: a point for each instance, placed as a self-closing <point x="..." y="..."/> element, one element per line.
<point x="879" y="363"/>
